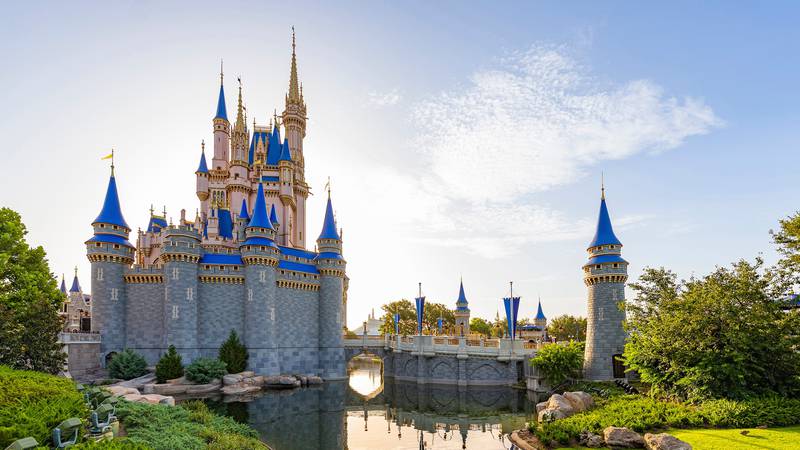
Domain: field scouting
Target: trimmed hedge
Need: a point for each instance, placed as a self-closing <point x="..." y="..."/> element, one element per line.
<point x="646" y="414"/>
<point x="33" y="403"/>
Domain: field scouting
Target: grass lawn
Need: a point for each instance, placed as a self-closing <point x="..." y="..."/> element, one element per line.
<point x="714" y="439"/>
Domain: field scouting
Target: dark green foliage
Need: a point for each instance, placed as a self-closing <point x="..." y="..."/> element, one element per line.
<point x="480" y="326"/>
<point x="408" y="317"/>
<point x="116" y="444"/>
<point x="127" y="365"/>
<point x="29" y="302"/>
<point x="560" y="362"/>
<point x="720" y="336"/>
<point x="169" y="366"/>
<point x="203" y="370"/>
<point x="33" y="403"/>
<point x="234" y="354"/>
<point x="567" y="328"/>
<point x="647" y="414"/>
<point x="187" y="426"/>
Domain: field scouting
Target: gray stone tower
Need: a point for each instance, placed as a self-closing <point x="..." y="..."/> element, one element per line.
<point x="462" y="313"/>
<point x="180" y="253"/>
<point x="605" y="274"/>
<point x="260" y="256"/>
<point x="331" y="266"/>
<point x="109" y="253"/>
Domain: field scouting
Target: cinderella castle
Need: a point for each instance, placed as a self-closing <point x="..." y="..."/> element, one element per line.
<point x="241" y="264"/>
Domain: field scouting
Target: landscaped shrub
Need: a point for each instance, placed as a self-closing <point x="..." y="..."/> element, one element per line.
<point x="116" y="444"/>
<point x="127" y="365"/>
<point x="234" y="354"/>
<point x="771" y="411"/>
<point x="203" y="370"/>
<point x="33" y="403"/>
<point x="560" y="362"/>
<point x="187" y="426"/>
<point x="169" y="366"/>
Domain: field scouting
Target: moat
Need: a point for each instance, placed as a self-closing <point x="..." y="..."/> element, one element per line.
<point x="371" y="412"/>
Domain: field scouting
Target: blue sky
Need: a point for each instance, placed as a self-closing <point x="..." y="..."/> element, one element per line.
<point x="462" y="138"/>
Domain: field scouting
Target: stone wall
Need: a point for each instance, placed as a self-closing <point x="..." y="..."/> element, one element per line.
<point x="82" y="358"/>
<point x="605" y="335"/>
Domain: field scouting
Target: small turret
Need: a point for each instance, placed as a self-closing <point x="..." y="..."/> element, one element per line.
<point x="540" y="320"/>
<point x="63" y="287"/>
<point x="273" y="217"/>
<point x="76" y="285"/>
<point x="462" y="312"/>
<point x="202" y="174"/>
<point x="222" y="131"/>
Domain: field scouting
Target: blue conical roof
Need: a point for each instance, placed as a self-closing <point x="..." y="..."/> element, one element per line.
<point x="539" y="313"/>
<point x="76" y="287"/>
<point x="63" y="285"/>
<point x="243" y="213"/>
<point x="260" y="219"/>
<point x="203" y="167"/>
<point x="605" y="233"/>
<point x="329" y="230"/>
<point x="286" y="153"/>
<point x="221" y="111"/>
<point x="274" y="148"/>
<point x="273" y="217"/>
<point x="461" y="297"/>
<point x="111" y="212"/>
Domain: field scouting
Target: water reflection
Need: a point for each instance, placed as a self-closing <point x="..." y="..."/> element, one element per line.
<point x="369" y="412"/>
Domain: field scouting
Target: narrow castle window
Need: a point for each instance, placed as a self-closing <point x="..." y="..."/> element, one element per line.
<point x="189" y="294"/>
<point x="175" y="311"/>
<point x="175" y="272"/>
<point x="114" y="294"/>
<point x="99" y="274"/>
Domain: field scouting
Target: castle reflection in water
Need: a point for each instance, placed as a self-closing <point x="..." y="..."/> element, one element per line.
<point x="370" y="412"/>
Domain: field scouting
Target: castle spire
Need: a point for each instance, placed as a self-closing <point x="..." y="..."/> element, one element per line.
<point x="293" y="97"/>
<point x="63" y="287"/>
<point x="260" y="219"/>
<point x="76" y="286"/>
<point x="240" y="120"/>
<point x="111" y="212"/>
<point x="605" y="232"/>
<point x="329" y="225"/>
<point x="243" y="213"/>
<point x="222" y="113"/>
<point x="202" y="168"/>
<point x="539" y="313"/>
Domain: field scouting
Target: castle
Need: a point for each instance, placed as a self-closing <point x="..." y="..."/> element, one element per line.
<point x="241" y="264"/>
<point x="604" y="274"/>
<point x="77" y="307"/>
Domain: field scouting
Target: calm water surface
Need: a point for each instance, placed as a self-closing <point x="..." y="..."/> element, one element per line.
<point x="370" y="412"/>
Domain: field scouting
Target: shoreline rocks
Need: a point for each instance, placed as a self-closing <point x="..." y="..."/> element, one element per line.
<point x="562" y="406"/>
<point x="621" y="437"/>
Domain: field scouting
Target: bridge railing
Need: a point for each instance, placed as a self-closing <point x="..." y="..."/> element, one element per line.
<point x="452" y="345"/>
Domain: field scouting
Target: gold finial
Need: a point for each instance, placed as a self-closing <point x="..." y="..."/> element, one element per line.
<point x="293" y="96"/>
<point x="152" y="210"/>
<point x="293" y="40"/>
<point x="602" y="186"/>
<point x="203" y="145"/>
<point x="328" y="187"/>
<point x="76" y="271"/>
<point x="221" y="74"/>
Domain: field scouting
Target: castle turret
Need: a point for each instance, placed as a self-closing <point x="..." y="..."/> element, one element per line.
<point x="287" y="235"/>
<point x="109" y="253"/>
<point x="260" y="257"/>
<point x="462" y="312"/>
<point x="202" y="178"/>
<point x="540" y="320"/>
<point x="331" y="266"/>
<point x="222" y="131"/>
<point x="180" y="255"/>
<point x="242" y="220"/>
<point x="604" y="275"/>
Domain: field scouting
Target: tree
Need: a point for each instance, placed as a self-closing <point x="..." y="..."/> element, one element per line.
<point x="559" y="362"/>
<point x="127" y="365"/>
<point x="720" y="336"/>
<point x="480" y="326"/>
<point x="234" y="354"/>
<point x="29" y="302"/>
<point x="169" y="366"/>
<point x="787" y="239"/>
<point x="408" y="317"/>
<point x="567" y="328"/>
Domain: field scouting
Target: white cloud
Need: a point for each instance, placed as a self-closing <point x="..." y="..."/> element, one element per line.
<point x="390" y="98"/>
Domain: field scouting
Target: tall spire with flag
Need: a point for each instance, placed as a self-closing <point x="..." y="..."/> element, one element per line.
<point x="293" y="96"/>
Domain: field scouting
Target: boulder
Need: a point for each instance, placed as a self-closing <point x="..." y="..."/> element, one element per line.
<point x="579" y="400"/>
<point x="169" y="401"/>
<point x="247" y="374"/>
<point x="137" y="383"/>
<point x="256" y="381"/>
<point x="664" y="441"/>
<point x="591" y="440"/>
<point x="165" y="389"/>
<point x="560" y="403"/>
<point x="240" y="389"/>
<point x="548" y="415"/>
<point x="119" y="391"/>
<point x="540" y="406"/>
<point x="180" y="380"/>
<point x="620" y="437"/>
<point x="132" y="397"/>
<point x="213" y="386"/>
<point x="228" y="380"/>
<point x="314" y="380"/>
<point x="156" y="399"/>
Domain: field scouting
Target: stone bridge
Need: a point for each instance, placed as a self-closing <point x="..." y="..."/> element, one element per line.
<point x="446" y="360"/>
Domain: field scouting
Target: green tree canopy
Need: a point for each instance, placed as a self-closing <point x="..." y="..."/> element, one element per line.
<point x="29" y="302"/>
<point x="480" y="326"/>
<point x="720" y="336"/>
<point x="567" y="328"/>
<point x="408" y="317"/>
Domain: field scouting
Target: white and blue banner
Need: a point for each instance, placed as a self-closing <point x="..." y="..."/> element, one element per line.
<point x="420" y="313"/>
<point x="512" y="308"/>
<point x="396" y="318"/>
<point x="439" y="324"/>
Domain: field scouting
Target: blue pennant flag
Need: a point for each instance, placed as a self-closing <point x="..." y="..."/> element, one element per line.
<point x="439" y="323"/>
<point x="396" y="318"/>
<point x="420" y="313"/>
<point x="512" y="309"/>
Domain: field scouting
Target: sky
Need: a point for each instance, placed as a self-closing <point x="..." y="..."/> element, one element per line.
<point x="462" y="139"/>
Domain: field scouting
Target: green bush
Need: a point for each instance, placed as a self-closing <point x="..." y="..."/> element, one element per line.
<point x="645" y="414"/>
<point x="203" y="370"/>
<point x="169" y="366"/>
<point x="33" y="403"/>
<point x="127" y="365"/>
<point x="560" y="362"/>
<point x="116" y="444"/>
<point x="234" y="354"/>
<point x="187" y="426"/>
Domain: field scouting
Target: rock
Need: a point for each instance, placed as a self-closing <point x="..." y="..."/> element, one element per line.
<point x="181" y="380"/>
<point x="620" y="437"/>
<point x="119" y="391"/>
<point x="664" y="441"/>
<point x="274" y="379"/>
<point x="297" y="383"/>
<point x="304" y="380"/>
<point x="285" y="379"/>
<point x="540" y="406"/>
<point x="169" y="401"/>
<point x="228" y="380"/>
<point x="240" y="389"/>
<point x="314" y="380"/>
<point x="165" y="389"/>
<point x="137" y="383"/>
<point x="591" y="440"/>
<point x="156" y="399"/>
<point x="558" y="402"/>
<point x="132" y="397"/>
<point x="548" y="415"/>
<point x="580" y="401"/>
<point x="213" y="386"/>
<point x="257" y="380"/>
<point x="247" y="374"/>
